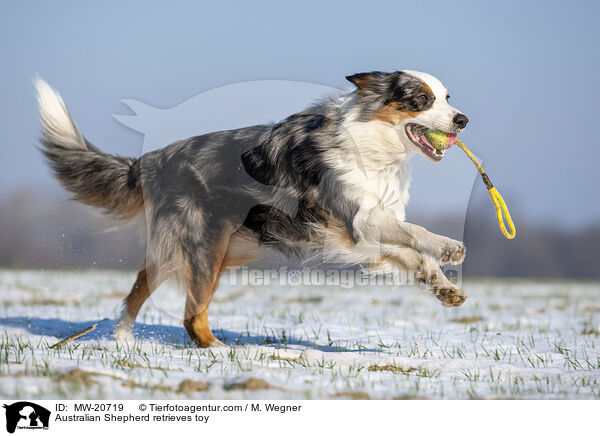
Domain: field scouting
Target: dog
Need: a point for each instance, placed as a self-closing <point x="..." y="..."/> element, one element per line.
<point x="331" y="179"/>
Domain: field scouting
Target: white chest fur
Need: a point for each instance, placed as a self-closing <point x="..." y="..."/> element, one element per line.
<point x="374" y="166"/>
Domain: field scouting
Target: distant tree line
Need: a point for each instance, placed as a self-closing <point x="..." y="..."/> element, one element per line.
<point x="42" y="230"/>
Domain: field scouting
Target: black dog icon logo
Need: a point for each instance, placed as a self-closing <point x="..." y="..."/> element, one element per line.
<point x="26" y="415"/>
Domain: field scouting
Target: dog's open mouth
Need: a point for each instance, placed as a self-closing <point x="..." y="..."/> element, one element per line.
<point x="418" y="135"/>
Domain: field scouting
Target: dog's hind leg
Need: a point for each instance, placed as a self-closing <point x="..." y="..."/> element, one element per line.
<point x="200" y="289"/>
<point x="230" y="251"/>
<point x="145" y="284"/>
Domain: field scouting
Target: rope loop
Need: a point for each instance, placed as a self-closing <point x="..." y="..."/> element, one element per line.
<point x="502" y="212"/>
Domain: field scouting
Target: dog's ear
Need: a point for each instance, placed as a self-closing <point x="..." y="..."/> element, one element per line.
<point x="362" y="80"/>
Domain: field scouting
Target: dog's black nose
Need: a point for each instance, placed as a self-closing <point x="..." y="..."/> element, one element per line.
<point x="460" y="120"/>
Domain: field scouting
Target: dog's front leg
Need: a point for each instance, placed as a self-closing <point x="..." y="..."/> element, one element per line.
<point x="428" y="272"/>
<point x="382" y="226"/>
<point x="431" y="275"/>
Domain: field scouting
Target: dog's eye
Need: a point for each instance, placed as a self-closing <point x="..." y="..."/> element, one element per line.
<point x="422" y="98"/>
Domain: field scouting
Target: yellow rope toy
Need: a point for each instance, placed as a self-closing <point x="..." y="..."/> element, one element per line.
<point x="501" y="208"/>
<point x="442" y="141"/>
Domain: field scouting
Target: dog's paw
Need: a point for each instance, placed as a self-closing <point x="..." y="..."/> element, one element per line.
<point x="452" y="252"/>
<point x="450" y="297"/>
<point x="123" y="329"/>
<point x="217" y="343"/>
<point x="207" y="341"/>
<point x="123" y="333"/>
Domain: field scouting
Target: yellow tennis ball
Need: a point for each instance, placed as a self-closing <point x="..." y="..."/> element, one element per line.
<point x="438" y="139"/>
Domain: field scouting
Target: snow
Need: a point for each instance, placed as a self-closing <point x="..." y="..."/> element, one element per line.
<point x="511" y="339"/>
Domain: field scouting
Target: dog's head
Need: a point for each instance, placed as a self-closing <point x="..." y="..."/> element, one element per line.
<point x="410" y="101"/>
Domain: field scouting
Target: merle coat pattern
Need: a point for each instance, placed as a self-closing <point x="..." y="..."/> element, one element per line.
<point x="338" y="169"/>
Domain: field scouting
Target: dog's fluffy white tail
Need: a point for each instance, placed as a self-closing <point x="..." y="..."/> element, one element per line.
<point x="96" y="178"/>
<point x="57" y="125"/>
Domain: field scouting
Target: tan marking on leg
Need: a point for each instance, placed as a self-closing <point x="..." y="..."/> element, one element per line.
<point x="138" y="295"/>
<point x="232" y="250"/>
<point x="197" y="325"/>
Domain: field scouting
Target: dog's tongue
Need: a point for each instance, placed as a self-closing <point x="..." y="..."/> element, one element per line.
<point x="440" y="140"/>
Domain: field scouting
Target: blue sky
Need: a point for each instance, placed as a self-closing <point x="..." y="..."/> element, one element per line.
<point x="526" y="74"/>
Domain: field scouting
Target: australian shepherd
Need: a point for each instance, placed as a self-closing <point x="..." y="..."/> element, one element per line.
<point x="331" y="179"/>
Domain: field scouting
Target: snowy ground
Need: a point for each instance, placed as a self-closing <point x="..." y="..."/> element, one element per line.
<point x="511" y="339"/>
